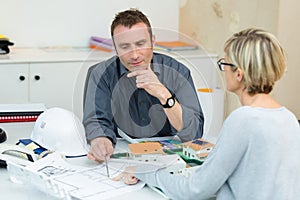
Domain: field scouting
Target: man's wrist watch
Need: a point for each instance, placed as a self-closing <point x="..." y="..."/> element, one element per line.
<point x="170" y="102"/>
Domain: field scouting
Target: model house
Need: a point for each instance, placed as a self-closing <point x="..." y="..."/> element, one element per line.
<point x="197" y="149"/>
<point x="146" y="151"/>
<point x="152" y="152"/>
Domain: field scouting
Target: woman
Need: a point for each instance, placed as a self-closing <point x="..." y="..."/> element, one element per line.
<point x="257" y="154"/>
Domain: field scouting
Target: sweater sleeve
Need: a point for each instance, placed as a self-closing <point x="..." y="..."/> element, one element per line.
<point x="209" y="178"/>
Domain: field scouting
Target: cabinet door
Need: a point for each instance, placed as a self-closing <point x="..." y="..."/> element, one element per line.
<point x="14" y="83"/>
<point x="53" y="83"/>
<point x="59" y="84"/>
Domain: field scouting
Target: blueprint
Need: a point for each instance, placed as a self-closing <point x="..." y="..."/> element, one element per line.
<point x="55" y="176"/>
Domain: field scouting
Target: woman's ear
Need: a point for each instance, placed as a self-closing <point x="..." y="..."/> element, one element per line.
<point x="239" y="74"/>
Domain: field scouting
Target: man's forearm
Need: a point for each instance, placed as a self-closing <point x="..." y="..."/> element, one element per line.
<point x="174" y="116"/>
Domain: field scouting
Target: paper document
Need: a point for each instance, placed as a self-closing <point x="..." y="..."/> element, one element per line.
<point x="59" y="178"/>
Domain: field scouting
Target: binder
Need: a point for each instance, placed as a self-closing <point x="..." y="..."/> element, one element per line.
<point x="20" y="112"/>
<point x="99" y="43"/>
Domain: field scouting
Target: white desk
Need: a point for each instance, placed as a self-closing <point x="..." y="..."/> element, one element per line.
<point x="13" y="191"/>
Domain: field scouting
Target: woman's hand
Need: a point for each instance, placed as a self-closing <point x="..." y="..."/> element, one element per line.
<point x="127" y="176"/>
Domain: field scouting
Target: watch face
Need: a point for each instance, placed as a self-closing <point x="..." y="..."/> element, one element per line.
<point x="171" y="102"/>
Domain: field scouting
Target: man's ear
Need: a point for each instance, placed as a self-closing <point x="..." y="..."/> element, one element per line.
<point x="115" y="47"/>
<point x="239" y="74"/>
<point x="153" y="40"/>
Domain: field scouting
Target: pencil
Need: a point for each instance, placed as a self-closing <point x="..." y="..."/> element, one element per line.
<point x="107" y="172"/>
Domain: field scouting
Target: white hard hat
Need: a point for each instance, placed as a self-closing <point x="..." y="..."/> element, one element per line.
<point x="57" y="129"/>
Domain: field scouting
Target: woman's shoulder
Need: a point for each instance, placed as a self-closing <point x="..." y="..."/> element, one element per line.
<point x="247" y="113"/>
<point x="243" y="113"/>
<point x="258" y="110"/>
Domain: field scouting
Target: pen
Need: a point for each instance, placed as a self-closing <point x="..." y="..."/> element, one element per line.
<point x="107" y="172"/>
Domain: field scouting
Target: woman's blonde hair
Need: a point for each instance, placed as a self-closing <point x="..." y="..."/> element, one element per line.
<point x="259" y="55"/>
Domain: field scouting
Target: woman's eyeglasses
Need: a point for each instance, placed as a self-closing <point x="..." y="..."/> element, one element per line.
<point x="221" y="64"/>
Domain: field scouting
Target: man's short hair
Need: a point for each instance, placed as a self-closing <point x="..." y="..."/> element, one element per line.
<point x="128" y="18"/>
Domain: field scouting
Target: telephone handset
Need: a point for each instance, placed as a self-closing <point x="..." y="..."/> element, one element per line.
<point x="16" y="154"/>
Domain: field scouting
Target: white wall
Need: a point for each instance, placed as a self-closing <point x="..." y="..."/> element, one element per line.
<point x="42" y="23"/>
<point x="287" y="89"/>
<point x="212" y="22"/>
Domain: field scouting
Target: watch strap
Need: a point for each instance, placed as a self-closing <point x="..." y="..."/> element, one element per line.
<point x="172" y="98"/>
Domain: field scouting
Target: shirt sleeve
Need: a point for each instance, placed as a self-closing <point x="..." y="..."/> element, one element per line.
<point x="211" y="176"/>
<point x="97" y="107"/>
<point x="184" y="89"/>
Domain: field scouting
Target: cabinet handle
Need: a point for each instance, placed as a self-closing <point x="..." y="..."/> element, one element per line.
<point x="37" y="77"/>
<point x="22" y="78"/>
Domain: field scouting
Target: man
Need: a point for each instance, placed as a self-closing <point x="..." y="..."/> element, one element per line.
<point x="142" y="93"/>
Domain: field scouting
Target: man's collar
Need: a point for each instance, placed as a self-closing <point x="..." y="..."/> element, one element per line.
<point x="123" y="70"/>
<point x="155" y="65"/>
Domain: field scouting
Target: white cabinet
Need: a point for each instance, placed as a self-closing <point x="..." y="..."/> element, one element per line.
<point x="52" y="77"/>
<point x="53" y="83"/>
<point x="49" y="83"/>
<point x="14" y="83"/>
